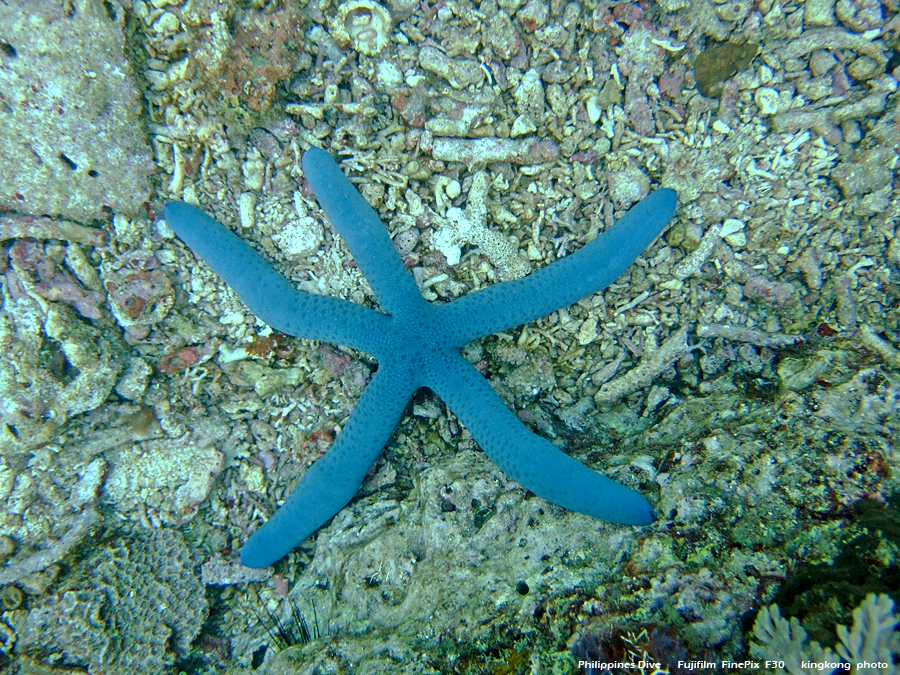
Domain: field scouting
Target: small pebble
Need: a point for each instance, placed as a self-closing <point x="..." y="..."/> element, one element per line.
<point x="720" y="62"/>
<point x="453" y="189"/>
<point x="733" y="233"/>
<point x="247" y="209"/>
<point x="863" y="68"/>
<point x="821" y="61"/>
<point x="7" y="547"/>
<point x="10" y="598"/>
<point x="819" y="13"/>
<point x="593" y="109"/>
<point x="730" y="226"/>
<point x="767" y="100"/>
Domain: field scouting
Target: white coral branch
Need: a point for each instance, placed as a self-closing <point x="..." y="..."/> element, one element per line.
<point x="873" y="640"/>
<point x="873" y="637"/>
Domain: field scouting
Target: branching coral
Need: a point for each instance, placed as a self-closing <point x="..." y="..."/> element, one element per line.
<point x="868" y="647"/>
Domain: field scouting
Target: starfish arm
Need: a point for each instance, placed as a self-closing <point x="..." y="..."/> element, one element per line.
<point x="269" y="295"/>
<point x="589" y="270"/>
<point x="335" y="478"/>
<point x="529" y="459"/>
<point x="365" y="234"/>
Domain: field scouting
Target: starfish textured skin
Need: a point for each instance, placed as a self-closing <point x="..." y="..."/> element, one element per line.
<point x="417" y="344"/>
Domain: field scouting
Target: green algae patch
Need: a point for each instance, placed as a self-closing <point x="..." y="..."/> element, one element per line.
<point x="720" y="62"/>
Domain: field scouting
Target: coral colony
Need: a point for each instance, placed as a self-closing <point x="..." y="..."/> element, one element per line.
<point x="417" y="344"/>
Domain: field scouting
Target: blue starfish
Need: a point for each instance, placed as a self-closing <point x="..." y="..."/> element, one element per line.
<point x="417" y="345"/>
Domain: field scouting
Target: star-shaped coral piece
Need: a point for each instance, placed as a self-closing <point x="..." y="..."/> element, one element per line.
<point x="417" y="344"/>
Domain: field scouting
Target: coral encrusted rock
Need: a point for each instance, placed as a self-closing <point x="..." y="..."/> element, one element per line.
<point x="70" y="139"/>
<point x="135" y="608"/>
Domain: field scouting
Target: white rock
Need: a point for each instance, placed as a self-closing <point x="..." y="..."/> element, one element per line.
<point x="594" y="110"/>
<point x="388" y="76"/>
<point x="254" y="170"/>
<point x="768" y="101"/>
<point x="453" y="189"/>
<point x="587" y="332"/>
<point x="444" y="241"/>
<point x="730" y="226"/>
<point x="737" y="240"/>
<point x="300" y="237"/>
<point x="247" y="209"/>
<point x="522" y="126"/>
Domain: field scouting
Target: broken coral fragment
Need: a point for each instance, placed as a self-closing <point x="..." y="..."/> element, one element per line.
<point x="363" y="25"/>
<point x="140" y="295"/>
<point x="53" y="366"/>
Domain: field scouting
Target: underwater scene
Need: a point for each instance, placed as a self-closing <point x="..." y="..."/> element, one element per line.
<point x="449" y="337"/>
